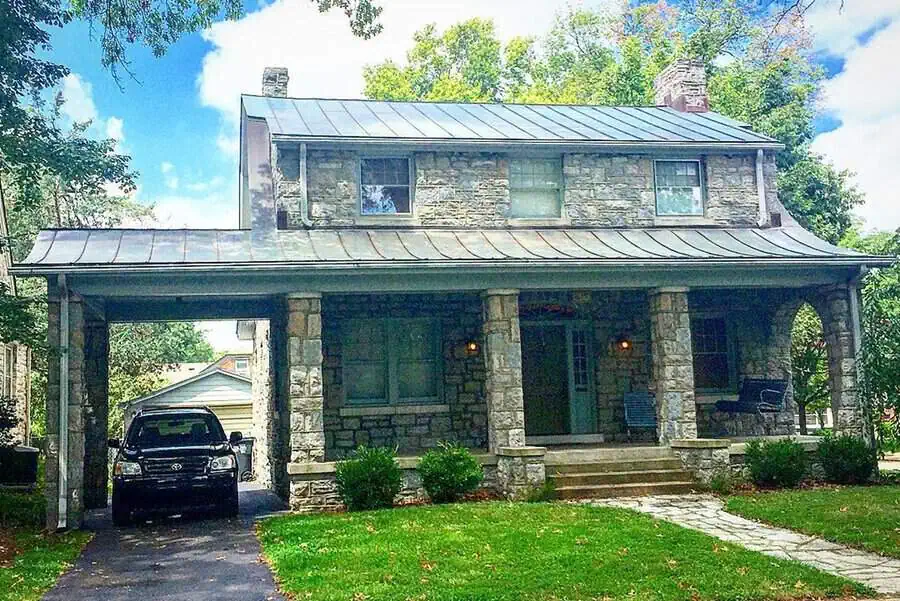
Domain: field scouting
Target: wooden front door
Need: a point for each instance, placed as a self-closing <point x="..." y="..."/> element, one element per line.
<point x="545" y="379"/>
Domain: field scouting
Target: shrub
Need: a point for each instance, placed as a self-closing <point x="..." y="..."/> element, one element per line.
<point x="544" y="493"/>
<point x="369" y="479"/>
<point x="846" y="459"/>
<point x="780" y="463"/>
<point x="723" y="482"/>
<point x="449" y="471"/>
<point x="18" y="509"/>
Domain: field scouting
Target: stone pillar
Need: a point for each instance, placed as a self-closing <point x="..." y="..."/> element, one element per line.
<point x="836" y="308"/>
<point x="704" y="458"/>
<point x="96" y="410"/>
<point x="75" y="357"/>
<point x="520" y="470"/>
<point x="503" y="363"/>
<point x="304" y="354"/>
<point x="673" y="364"/>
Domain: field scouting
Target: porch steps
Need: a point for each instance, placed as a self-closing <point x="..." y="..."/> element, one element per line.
<point x="617" y="472"/>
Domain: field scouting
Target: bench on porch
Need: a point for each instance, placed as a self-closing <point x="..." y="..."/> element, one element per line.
<point x="640" y="410"/>
<point x="757" y="395"/>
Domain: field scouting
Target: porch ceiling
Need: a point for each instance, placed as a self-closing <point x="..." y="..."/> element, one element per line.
<point x="128" y="250"/>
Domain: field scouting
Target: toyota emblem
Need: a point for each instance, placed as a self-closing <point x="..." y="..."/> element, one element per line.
<point x="176" y="467"/>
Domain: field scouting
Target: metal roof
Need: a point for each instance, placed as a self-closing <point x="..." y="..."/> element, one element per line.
<point x="498" y="123"/>
<point x="119" y="249"/>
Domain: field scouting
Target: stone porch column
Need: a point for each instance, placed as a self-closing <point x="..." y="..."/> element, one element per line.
<point x="673" y="364"/>
<point x="96" y="408"/>
<point x="304" y="330"/>
<point x="74" y="355"/>
<point x="503" y="363"/>
<point x="839" y="310"/>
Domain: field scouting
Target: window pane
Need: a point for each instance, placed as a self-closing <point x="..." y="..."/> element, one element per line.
<point x="415" y="340"/>
<point x="384" y="186"/>
<point x="712" y="368"/>
<point x="417" y="379"/>
<point x="364" y="340"/>
<point x="289" y="161"/>
<point x="534" y="203"/>
<point x="678" y="188"/>
<point x="711" y="372"/>
<point x="365" y="381"/>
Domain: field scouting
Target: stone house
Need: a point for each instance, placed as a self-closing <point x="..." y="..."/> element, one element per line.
<point x="512" y="277"/>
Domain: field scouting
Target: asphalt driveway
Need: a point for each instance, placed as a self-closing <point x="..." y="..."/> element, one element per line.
<point x="191" y="559"/>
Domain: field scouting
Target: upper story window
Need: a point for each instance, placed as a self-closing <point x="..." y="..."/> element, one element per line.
<point x="241" y="365"/>
<point x="289" y="161"/>
<point x="679" y="189"/>
<point x="535" y="188"/>
<point x="385" y="186"/>
<point x="715" y="363"/>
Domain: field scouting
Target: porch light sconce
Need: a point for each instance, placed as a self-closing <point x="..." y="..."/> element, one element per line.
<point x="472" y="348"/>
<point x="623" y="342"/>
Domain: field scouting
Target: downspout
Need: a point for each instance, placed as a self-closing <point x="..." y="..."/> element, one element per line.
<point x="63" y="474"/>
<point x="761" y="188"/>
<point x="304" y="189"/>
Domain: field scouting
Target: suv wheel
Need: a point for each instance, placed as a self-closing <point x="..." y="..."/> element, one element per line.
<point x="121" y="513"/>
<point x="231" y="506"/>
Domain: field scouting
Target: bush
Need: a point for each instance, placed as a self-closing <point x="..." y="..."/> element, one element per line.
<point x="544" y="493"/>
<point x="18" y="509"/>
<point x="779" y="463"/>
<point x="723" y="482"/>
<point x="449" y="471"/>
<point x="846" y="459"/>
<point x="369" y="479"/>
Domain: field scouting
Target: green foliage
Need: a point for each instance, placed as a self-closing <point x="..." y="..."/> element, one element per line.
<point x="847" y="459"/>
<point x="9" y="419"/>
<point x="780" y="463"/>
<point x="22" y="509"/>
<point x="809" y="364"/>
<point x="545" y="493"/>
<point x="723" y="482"/>
<point x="369" y="479"/>
<point x="449" y="471"/>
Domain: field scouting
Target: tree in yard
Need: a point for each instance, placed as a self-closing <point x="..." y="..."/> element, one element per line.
<point x="809" y="365"/>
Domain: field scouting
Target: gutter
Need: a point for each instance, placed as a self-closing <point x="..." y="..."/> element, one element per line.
<point x="63" y="464"/>
<point x="761" y="188"/>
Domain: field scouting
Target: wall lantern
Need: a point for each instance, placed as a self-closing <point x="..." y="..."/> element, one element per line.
<point x="472" y="348"/>
<point x="623" y="342"/>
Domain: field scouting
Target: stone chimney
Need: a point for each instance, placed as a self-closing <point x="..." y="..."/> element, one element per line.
<point x="275" y="81"/>
<point x="682" y="86"/>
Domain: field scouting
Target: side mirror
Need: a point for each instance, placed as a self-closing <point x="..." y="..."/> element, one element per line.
<point x="113" y="443"/>
<point x="235" y="438"/>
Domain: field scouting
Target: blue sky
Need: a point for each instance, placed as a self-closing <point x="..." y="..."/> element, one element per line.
<point x="178" y="121"/>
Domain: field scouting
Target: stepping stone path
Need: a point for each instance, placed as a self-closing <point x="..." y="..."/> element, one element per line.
<point x="707" y="514"/>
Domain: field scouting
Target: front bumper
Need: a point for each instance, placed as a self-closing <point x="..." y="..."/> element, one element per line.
<point x="154" y="493"/>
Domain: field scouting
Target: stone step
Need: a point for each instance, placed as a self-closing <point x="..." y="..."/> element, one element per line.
<point x="603" y="478"/>
<point x="595" y="467"/>
<point x="605" y="491"/>
<point x="599" y="454"/>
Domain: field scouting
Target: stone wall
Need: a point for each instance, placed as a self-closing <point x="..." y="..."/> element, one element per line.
<point x="21" y="389"/>
<point x="460" y="414"/>
<point x="471" y="190"/>
<point x="673" y="368"/>
<point x="265" y="414"/>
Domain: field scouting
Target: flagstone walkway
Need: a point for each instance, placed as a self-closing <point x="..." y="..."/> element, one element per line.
<point x="707" y="514"/>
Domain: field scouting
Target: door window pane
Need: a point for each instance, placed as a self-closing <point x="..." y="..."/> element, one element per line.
<point x="535" y="188"/>
<point x="678" y="188"/>
<point x="384" y="186"/>
<point x="580" y="372"/>
<point x="712" y="359"/>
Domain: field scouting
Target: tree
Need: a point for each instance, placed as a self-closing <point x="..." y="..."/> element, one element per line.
<point x="757" y="64"/>
<point x="809" y="365"/>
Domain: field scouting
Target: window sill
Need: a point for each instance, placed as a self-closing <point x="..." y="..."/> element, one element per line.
<point x="387" y="220"/>
<point x="686" y="220"/>
<point x="710" y="397"/>
<point x="394" y="410"/>
<point x="538" y="221"/>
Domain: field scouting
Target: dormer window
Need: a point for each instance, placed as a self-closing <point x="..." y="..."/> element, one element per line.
<point x="679" y="189"/>
<point x="385" y="186"/>
<point x="535" y="188"/>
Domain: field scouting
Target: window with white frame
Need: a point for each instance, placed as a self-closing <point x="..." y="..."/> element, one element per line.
<point x="242" y="365"/>
<point x="535" y="188"/>
<point x="391" y="360"/>
<point x="385" y="187"/>
<point x="679" y="188"/>
<point x="715" y="365"/>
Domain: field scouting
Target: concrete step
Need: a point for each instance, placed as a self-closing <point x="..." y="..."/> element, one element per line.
<point x="596" y="467"/>
<point x="599" y="454"/>
<point x="604" y="478"/>
<point x="605" y="491"/>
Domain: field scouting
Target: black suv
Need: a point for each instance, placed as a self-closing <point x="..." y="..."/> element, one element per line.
<point x="174" y="459"/>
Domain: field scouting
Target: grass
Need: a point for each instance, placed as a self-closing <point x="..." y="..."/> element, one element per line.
<point x="502" y="551"/>
<point x="31" y="560"/>
<point x="866" y="517"/>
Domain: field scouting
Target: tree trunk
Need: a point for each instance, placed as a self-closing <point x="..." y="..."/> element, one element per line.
<point x="801" y="407"/>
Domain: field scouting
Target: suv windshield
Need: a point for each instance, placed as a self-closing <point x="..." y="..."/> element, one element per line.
<point x="175" y="431"/>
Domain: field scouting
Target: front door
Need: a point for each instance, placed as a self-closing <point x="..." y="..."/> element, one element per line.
<point x="557" y="384"/>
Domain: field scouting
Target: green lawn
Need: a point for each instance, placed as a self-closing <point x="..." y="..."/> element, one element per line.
<point x="502" y="551"/>
<point x="867" y="517"/>
<point x="40" y="558"/>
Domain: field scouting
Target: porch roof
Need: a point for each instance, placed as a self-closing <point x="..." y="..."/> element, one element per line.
<point x="151" y="250"/>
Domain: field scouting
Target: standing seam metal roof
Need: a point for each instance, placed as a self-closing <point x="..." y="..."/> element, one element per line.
<point x="538" y="123"/>
<point x="73" y="249"/>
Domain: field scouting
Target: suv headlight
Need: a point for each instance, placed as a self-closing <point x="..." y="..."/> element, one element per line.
<point x="127" y="468"/>
<point x="223" y="463"/>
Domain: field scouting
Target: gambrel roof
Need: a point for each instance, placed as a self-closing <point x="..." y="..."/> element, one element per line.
<point x="532" y="124"/>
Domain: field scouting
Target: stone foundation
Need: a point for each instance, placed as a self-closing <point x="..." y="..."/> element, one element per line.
<point x="520" y="470"/>
<point x="704" y="458"/>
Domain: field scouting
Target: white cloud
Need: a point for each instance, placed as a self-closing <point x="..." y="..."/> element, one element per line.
<point x="170" y="178"/>
<point x="836" y="28"/>
<point x="321" y="54"/>
<point x="115" y="129"/>
<point x="865" y="97"/>
<point x="222" y="335"/>
<point x="214" y="211"/>
<point x="79" y="107"/>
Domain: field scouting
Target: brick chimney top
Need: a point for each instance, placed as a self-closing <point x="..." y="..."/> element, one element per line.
<point x="275" y="81"/>
<point x="682" y="86"/>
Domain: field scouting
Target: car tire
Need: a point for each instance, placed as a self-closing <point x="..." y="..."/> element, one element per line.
<point x="231" y="507"/>
<point x="121" y="514"/>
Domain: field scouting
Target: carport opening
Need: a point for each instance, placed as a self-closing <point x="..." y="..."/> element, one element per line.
<point x="809" y="372"/>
